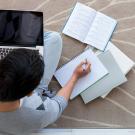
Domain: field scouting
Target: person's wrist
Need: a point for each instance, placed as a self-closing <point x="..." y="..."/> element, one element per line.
<point x="74" y="77"/>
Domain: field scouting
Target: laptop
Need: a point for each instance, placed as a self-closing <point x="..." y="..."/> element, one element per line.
<point x="20" y="29"/>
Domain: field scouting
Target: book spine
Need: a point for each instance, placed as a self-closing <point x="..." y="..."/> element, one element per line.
<point x="110" y="36"/>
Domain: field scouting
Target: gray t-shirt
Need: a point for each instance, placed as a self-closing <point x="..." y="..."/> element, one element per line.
<point x="26" y="120"/>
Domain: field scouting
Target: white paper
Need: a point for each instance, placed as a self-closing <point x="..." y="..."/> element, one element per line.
<point x="79" y="22"/>
<point x="100" y="31"/>
<point x="97" y="72"/>
<point x="89" y="26"/>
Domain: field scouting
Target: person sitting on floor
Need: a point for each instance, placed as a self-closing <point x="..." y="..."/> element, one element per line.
<point x="25" y="76"/>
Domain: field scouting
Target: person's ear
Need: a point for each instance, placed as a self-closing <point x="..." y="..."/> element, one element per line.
<point x="30" y="94"/>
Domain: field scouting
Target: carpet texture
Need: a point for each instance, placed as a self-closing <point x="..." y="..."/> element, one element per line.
<point x="117" y="110"/>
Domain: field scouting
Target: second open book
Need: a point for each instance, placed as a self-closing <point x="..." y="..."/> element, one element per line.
<point x="86" y="24"/>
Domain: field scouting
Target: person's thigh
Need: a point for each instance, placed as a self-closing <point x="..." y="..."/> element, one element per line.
<point x="51" y="56"/>
<point x="52" y="53"/>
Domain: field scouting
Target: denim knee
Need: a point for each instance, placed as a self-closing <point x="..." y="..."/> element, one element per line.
<point x="56" y="38"/>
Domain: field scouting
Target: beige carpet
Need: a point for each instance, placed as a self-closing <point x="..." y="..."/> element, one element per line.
<point x="118" y="109"/>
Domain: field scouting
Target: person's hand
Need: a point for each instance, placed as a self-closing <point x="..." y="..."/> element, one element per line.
<point x="80" y="71"/>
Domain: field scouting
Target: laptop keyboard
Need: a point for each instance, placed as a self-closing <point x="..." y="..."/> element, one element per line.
<point x="4" y="52"/>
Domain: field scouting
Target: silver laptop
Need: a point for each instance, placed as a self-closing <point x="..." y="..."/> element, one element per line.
<point x="20" y="29"/>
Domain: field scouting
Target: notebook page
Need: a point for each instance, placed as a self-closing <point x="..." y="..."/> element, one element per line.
<point x="100" y="31"/>
<point x="97" y="72"/>
<point x="79" y="22"/>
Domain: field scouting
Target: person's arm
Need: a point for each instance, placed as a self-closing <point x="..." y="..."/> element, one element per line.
<point x="56" y="105"/>
<point x="67" y="89"/>
<point x="79" y="72"/>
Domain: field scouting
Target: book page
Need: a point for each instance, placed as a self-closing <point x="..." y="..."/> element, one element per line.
<point x="79" y="22"/>
<point x="100" y="31"/>
<point x="97" y="72"/>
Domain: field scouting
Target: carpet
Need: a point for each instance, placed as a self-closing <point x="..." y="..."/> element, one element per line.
<point x="117" y="110"/>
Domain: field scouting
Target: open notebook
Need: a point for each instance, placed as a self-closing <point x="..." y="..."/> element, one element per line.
<point x="97" y="72"/>
<point x="89" y="26"/>
<point x="107" y="83"/>
<point x="124" y="62"/>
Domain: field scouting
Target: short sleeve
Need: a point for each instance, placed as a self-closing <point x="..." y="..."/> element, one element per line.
<point x="53" y="109"/>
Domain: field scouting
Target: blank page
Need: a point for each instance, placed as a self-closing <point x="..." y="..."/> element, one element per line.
<point x="79" y="22"/>
<point x="97" y="72"/>
<point x="100" y="31"/>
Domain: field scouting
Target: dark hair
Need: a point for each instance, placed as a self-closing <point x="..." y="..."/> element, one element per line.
<point x="20" y="73"/>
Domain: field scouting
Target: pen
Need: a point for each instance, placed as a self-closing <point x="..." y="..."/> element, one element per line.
<point x="84" y="65"/>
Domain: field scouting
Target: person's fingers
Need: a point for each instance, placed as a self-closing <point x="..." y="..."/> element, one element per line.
<point x="88" y="64"/>
<point x="88" y="67"/>
<point x="83" y="62"/>
<point x="80" y="65"/>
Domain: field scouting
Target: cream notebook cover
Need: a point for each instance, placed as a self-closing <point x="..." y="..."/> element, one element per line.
<point x="107" y="83"/>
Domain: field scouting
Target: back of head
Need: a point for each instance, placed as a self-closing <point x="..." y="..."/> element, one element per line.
<point x="20" y="73"/>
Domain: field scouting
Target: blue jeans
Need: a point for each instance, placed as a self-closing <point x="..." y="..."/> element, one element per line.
<point x="52" y="53"/>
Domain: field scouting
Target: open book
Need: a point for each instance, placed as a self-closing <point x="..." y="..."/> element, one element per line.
<point x="89" y="26"/>
<point x="97" y="72"/>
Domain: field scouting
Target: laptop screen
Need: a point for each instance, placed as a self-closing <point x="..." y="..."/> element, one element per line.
<point x="21" y="28"/>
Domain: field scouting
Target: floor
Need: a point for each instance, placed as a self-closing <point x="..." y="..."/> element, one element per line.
<point x="117" y="110"/>
<point x="86" y="132"/>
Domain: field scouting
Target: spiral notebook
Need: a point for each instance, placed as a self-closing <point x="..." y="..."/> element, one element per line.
<point x="98" y="71"/>
<point x="89" y="26"/>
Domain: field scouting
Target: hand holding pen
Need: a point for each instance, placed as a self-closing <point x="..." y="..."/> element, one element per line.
<point x="82" y="69"/>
